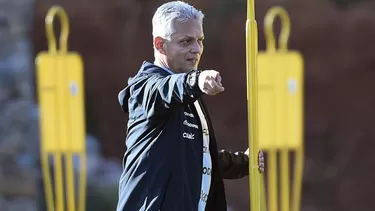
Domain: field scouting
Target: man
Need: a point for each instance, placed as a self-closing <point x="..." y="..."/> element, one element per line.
<point x="172" y="162"/>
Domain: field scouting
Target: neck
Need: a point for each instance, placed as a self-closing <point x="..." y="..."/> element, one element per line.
<point x="160" y="63"/>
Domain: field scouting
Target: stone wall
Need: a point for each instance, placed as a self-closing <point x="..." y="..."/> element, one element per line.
<point x="18" y="120"/>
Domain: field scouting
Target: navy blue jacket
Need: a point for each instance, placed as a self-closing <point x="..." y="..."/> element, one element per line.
<point x="162" y="165"/>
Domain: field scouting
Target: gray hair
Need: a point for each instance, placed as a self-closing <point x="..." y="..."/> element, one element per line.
<point x="171" y="12"/>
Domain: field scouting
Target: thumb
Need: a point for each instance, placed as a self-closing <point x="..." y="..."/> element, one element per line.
<point x="218" y="79"/>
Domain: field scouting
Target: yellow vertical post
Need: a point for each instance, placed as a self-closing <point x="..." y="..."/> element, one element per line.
<point x="60" y="93"/>
<point x="252" y="105"/>
<point x="281" y="114"/>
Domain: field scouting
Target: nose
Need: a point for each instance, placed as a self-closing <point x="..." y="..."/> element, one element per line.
<point x="196" y="48"/>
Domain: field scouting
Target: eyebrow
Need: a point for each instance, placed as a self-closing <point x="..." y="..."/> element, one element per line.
<point x="190" y="37"/>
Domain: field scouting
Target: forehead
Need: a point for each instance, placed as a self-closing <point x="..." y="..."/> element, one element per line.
<point x="190" y="28"/>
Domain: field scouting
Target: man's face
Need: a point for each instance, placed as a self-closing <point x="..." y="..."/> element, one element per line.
<point x="183" y="51"/>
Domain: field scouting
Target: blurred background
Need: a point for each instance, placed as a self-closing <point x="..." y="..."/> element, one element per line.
<point x="335" y="37"/>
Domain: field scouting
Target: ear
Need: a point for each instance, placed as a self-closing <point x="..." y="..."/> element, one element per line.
<point x="159" y="44"/>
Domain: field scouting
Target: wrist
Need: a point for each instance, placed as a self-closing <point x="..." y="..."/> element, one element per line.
<point x="193" y="79"/>
<point x="193" y="82"/>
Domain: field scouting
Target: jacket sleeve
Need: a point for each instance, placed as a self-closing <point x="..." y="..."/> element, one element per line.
<point x="163" y="92"/>
<point x="233" y="165"/>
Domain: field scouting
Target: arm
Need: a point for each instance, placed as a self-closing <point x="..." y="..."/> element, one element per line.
<point x="236" y="165"/>
<point x="163" y="92"/>
<point x="233" y="165"/>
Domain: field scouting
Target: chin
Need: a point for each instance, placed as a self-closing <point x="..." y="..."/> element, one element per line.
<point x="188" y="69"/>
